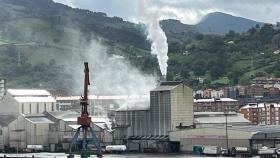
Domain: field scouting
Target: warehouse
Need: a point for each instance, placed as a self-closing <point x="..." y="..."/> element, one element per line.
<point x="27" y="101"/>
<point x="212" y="119"/>
<point x="253" y="137"/>
<point x="65" y="126"/>
<point x="29" y="130"/>
<point x="4" y="130"/>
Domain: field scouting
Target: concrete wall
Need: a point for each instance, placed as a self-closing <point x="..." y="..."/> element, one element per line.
<point x="181" y="106"/>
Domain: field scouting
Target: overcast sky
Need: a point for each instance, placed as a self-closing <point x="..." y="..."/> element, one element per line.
<point x="188" y="11"/>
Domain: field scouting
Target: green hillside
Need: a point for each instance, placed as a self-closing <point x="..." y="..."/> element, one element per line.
<point x="40" y="41"/>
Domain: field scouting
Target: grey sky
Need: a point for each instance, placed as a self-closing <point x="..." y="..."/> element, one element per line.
<point x="188" y="11"/>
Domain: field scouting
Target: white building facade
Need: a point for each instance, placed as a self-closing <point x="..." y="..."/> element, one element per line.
<point x="27" y="101"/>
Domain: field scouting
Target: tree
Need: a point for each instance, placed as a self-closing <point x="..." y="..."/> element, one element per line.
<point x="216" y="72"/>
<point x="199" y="67"/>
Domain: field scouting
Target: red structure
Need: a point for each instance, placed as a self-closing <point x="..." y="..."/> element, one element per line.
<point x="85" y="121"/>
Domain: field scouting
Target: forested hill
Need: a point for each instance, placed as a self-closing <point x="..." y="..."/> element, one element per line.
<point x="38" y="37"/>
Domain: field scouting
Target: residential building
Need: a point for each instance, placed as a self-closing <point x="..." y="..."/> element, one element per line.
<point x="262" y="113"/>
<point x="266" y="80"/>
<point x="207" y="93"/>
<point x="215" y="105"/>
<point x="255" y="90"/>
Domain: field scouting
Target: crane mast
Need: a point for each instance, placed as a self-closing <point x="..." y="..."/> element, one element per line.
<point x="85" y="123"/>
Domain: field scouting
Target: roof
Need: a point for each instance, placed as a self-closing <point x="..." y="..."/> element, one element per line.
<point x="213" y="100"/>
<point x="62" y="114"/>
<point x="164" y="88"/>
<point x="221" y="119"/>
<point x="258" y="128"/>
<point x="213" y="113"/>
<point x="6" y="119"/>
<point x="35" y="99"/>
<point x="28" y="92"/>
<point x="259" y="105"/>
<point x="39" y="120"/>
<point x="104" y="126"/>
<point x="95" y="97"/>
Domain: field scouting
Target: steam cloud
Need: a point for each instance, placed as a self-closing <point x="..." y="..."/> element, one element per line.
<point x="155" y="34"/>
<point x="109" y="74"/>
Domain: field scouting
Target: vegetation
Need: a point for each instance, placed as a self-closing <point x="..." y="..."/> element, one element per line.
<point x="39" y="37"/>
<point x="226" y="60"/>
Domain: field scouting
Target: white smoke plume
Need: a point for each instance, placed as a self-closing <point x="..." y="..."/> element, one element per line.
<point x="109" y="74"/>
<point x="159" y="41"/>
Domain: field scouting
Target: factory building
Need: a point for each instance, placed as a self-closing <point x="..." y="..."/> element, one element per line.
<point x="65" y="126"/>
<point x="213" y="119"/>
<point x="27" y="101"/>
<point x="253" y="137"/>
<point x="29" y="130"/>
<point x="147" y="126"/>
<point x="171" y="108"/>
<point x="5" y="120"/>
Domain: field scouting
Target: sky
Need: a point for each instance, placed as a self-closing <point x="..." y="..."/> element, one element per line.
<point x="187" y="11"/>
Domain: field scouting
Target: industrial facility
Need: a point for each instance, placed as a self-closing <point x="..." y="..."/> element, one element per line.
<point x="171" y="108"/>
<point x="165" y="121"/>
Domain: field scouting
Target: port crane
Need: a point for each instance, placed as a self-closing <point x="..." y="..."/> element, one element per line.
<point x="85" y="124"/>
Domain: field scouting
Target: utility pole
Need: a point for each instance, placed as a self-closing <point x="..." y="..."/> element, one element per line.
<point x="226" y="113"/>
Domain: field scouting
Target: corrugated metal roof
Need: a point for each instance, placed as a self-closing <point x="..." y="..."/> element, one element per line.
<point x="35" y="99"/>
<point x="63" y="114"/>
<point x="221" y="119"/>
<point x="164" y="88"/>
<point x="28" y="92"/>
<point x="39" y="120"/>
<point x="259" y="128"/>
<point x="113" y="97"/>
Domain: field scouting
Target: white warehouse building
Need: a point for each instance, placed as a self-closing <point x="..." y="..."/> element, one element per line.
<point x="27" y="101"/>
